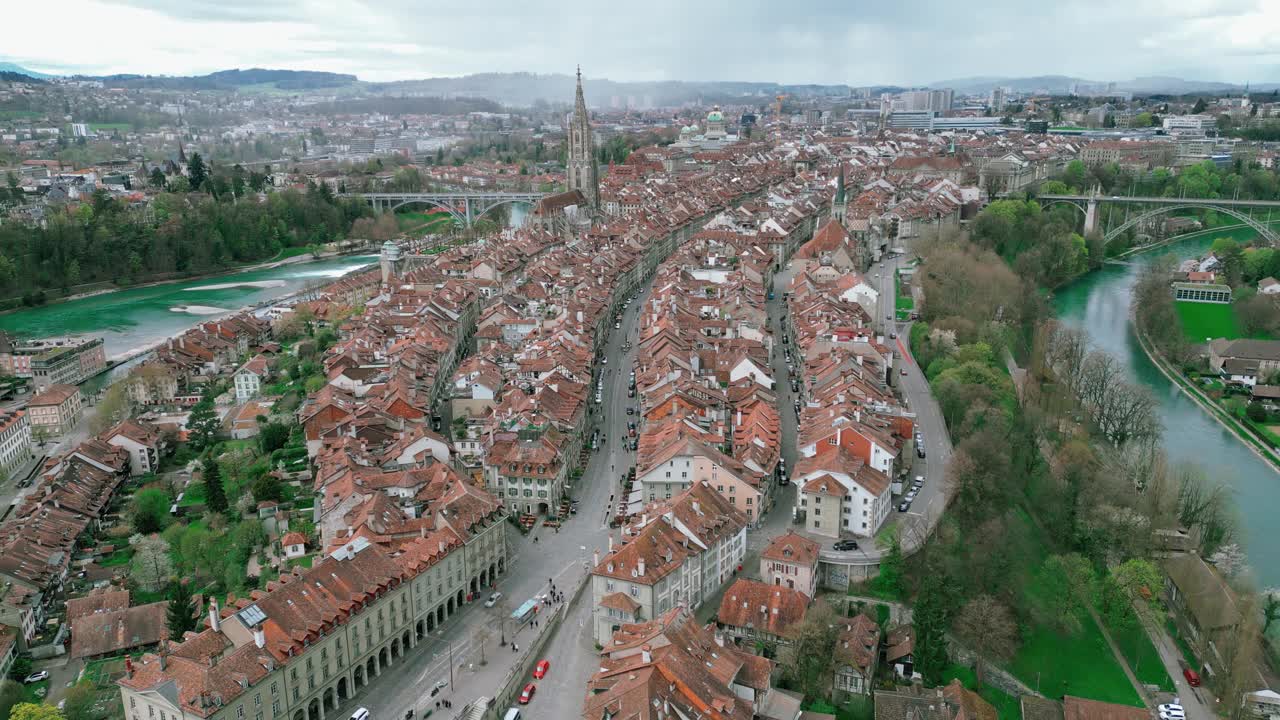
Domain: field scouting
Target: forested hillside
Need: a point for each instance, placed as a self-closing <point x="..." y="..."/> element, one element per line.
<point x="184" y="234"/>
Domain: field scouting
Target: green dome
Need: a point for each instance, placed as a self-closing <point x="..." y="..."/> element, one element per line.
<point x="715" y="116"/>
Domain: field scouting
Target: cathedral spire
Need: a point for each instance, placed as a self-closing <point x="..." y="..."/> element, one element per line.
<point x="582" y="169"/>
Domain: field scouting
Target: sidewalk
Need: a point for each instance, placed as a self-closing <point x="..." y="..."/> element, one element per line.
<point x="1199" y="703"/>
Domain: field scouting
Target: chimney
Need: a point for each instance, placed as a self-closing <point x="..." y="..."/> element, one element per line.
<point x="610" y="542"/>
<point x="259" y="637"/>
<point x="595" y="558"/>
<point x="215" y="619"/>
<point x="739" y="421"/>
<point x="441" y="546"/>
<point x="697" y="508"/>
<point x="645" y="655"/>
<point x="640" y="567"/>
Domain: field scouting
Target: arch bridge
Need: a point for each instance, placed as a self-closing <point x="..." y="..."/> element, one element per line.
<point x="1088" y="204"/>
<point x="465" y="207"/>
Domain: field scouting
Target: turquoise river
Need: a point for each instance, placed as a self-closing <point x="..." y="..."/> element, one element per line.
<point x="1100" y="303"/>
<point x="132" y="320"/>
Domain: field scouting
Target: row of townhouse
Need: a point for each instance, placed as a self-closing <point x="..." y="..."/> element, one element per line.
<point x="70" y="498"/>
<point x="708" y="408"/>
<point x="522" y="400"/>
<point x="310" y="641"/>
<point x="853" y="432"/>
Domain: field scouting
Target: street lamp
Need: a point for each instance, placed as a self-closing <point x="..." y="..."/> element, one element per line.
<point x="450" y="643"/>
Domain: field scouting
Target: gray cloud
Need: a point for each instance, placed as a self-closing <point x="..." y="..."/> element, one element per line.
<point x="822" y="41"/>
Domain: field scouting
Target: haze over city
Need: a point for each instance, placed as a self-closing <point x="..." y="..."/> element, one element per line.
<point x="856" y="42"/>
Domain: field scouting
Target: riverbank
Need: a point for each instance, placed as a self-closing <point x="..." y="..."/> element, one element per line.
<point x="272" y="264"/>
<point x="1251" y="440"/>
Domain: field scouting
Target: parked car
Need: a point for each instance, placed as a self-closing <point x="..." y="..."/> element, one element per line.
<point x="844" y="545"/>
<point x="631" y="410"/>
<point x="920" y="451"/>
<point x="527" y="694"/>
<point x="1193" y="677"/>
<point x="904" y="372"/>
<point x="493" y="599"/>
<point x="903" y="506"/>
<point x="542" y="668"/>
<point x="37" y="676"/>
<point x="1173" y="706"/>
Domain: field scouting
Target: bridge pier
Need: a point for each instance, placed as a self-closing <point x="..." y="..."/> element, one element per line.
<point x="1091" y="217"/>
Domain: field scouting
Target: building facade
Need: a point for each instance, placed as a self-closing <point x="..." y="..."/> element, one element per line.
<point x="15" y="441"/>
<point x="55" y="410"/>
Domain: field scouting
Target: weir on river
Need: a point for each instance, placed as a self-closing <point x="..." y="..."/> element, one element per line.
<point x="1100" y="303"/>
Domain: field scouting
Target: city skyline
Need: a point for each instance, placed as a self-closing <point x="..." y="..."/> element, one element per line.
<point x="915" y="43"/>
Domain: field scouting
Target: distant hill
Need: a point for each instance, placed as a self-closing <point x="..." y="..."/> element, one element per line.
<point x="6" y="76"/>
<point x="8" y="67"/>
<point x="525" y="89"/>
<point x="233" y="79"/>
<point x="1062" y="84"/>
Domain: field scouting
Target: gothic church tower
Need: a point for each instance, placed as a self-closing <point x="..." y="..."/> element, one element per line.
<point x="582" y="152"/>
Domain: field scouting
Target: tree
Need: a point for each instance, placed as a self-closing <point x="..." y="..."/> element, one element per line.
<point x="151" y="566"/>
<point x="265" y="487"/>
<point x="988" y="627"/>
<point x="204" y="425"/>
<point x="179" y="615"/>
<point x="272" y="436"/>
<point x="79" y="700"/>
<point x="1257" y="315"/>
<point x="113" y="408"/>
<point x="215" y="494"/>
<point x="20" y="668"/>
<point x="889" y="580"/>
<point x="1270" y="608"/>
<point x="1065" y="586"/>
<point x="197" y="174"/>
<point x="11" y="693"/>
<point x="1256" y="412"/>
<point x="34" y="711"/>
<point x="932" y="617"/>
<point x="149" y="511"/>
<point x="811" y="655"/>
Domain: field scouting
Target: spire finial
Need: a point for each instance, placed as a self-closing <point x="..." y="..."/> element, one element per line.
<point x="579" y="74"/>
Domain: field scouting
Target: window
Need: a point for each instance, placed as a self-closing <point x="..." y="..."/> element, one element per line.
<point x="635" y="591"/>
<point x="239" y="712"/>
<point x="816" y="511"/>
<point x="748" y="501"/>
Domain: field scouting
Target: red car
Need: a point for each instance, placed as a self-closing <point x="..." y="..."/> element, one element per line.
<point x="540" y="671"/>
<point x="527" y="694"/>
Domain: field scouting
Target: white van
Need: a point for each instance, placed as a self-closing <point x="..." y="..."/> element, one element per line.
<point x="360" y="714"/>
<point x="512" y="714"/>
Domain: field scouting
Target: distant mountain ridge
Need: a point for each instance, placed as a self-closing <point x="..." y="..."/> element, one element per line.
<point x="231" y="80"/>
<point x="8" y="67"/>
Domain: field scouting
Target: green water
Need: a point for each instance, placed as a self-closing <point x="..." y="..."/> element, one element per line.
<point x="129" y="320"/>
<point x="1100" y="303"/>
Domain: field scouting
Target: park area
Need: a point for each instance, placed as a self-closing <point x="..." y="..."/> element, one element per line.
<point x="1203" y="321"/>
<point x="903" y="302"/>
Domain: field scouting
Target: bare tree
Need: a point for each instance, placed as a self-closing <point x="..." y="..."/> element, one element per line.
<point x="988" y="627"/>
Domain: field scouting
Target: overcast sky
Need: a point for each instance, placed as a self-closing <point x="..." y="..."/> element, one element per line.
<point x="858" y="42"/>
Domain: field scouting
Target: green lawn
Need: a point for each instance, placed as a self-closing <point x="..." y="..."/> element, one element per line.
<point x="1007" y="706"/>
<point x="1080" y="665"/>
<point x="304" y="561"/>
<point x="119" y="557"/>
<point x="1141" y="654"/>
<point x="1207" y="320"/>
<point x="903" y="304"/>
<point x="292" y="252"/>
<point x="424" y="222"/>
<point x="108" y="127"/>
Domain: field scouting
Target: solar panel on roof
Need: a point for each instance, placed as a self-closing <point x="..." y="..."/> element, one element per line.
<point x="252" y="615"/>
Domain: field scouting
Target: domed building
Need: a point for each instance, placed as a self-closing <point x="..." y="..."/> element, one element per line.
<point x="715" y="124"/>
<point x="713" y="138"/>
